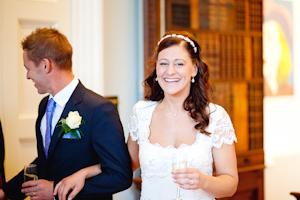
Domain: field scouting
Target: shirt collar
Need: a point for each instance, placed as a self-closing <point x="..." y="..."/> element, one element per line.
<point x="63" y="96"/>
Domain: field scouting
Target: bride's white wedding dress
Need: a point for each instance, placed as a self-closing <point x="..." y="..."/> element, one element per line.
<point x="156" y="161"/>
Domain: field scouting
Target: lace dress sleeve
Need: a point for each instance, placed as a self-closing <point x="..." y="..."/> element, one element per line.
<point x="224" y="131"/>
<point x="133" y="124"/>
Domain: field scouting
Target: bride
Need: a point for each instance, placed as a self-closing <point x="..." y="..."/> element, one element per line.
<point x="179" y="117"/>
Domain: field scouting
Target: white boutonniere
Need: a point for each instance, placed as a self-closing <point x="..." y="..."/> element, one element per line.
<point x="70" y="126"/>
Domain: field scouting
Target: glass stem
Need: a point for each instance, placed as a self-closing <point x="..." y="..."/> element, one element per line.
<point x="178" y="192"/>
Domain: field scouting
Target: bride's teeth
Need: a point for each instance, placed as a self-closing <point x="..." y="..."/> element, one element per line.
<point x="172" y="80"/>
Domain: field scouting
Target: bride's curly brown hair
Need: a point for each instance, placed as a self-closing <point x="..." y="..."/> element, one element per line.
<point x="201" y="90"/>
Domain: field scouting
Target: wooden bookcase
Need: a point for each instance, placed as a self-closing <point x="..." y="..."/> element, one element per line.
<point x="230" y="35"/>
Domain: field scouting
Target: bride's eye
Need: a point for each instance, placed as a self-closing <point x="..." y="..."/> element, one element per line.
<point x="180" y="64"/>
<point x="163" y="63"/>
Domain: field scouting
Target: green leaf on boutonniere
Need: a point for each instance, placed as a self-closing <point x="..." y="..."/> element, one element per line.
<point x="71" y="125"/>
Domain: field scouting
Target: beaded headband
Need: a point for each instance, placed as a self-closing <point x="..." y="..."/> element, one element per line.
<point x="181" y="37"/>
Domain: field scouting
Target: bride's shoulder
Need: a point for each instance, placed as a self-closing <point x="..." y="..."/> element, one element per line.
<point x="215" y="109"/>
<point x="141" y="105"/>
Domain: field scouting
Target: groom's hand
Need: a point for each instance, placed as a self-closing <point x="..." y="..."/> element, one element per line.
<point x="38" y="190"/>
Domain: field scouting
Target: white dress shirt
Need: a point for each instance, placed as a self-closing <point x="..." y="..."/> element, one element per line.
<point x="61" y="99"/>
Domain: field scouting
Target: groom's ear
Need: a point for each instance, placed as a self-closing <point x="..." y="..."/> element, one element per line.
<point x="47" y="65"/>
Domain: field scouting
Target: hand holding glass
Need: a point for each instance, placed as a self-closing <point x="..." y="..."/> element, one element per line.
<point x="30" y="172"/>
<point x="179" y="161"/>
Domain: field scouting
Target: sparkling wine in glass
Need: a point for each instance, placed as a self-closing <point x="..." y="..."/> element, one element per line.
<point x="30" y="172"/>
<point x="179" y="161"/>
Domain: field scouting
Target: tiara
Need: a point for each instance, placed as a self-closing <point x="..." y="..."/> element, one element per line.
<point x="181" y="37"/>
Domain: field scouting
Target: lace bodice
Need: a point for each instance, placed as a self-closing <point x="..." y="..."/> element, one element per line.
<point x="156" y="161"/>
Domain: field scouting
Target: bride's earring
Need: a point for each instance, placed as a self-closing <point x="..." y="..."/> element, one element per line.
<point x="193" y="80"/>
<point x="156" y="79"/>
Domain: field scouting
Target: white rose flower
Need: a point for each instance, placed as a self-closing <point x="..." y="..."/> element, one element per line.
<point x="73" y="120"/>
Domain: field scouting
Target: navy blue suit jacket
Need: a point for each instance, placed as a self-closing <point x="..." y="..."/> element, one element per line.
<point x="103" y="142"/>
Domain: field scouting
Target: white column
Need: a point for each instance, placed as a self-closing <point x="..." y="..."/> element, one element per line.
<point x="87" y="42"/>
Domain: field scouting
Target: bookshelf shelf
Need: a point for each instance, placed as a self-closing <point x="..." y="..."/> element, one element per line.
<point x="230" y="35"/>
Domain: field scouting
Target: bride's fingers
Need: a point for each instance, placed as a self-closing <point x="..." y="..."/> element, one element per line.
<point x="189" y="184"/>
<point x="73" y="194"/>
<point x="56" y="188"/>
<point x="186" y="170"/>
<point x="186" y="173"/>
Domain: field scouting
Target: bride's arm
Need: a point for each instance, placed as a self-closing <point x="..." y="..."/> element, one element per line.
<point x="133" y="149"/>
<point x="224" y="184"/>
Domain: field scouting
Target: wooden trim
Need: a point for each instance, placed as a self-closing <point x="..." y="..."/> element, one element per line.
<point x="194" y="14"/>
<point x="151" y="28"/>
<point x="168" y="10"/>
<point x="251" y="168"/>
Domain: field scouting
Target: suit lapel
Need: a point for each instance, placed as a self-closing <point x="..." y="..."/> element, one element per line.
<point x="39" y="138"/>
<point x="75" y="98"/>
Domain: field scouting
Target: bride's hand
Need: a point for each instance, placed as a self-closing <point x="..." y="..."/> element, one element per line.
<point x="74" y="183"/>
<point x="189" y="178"/>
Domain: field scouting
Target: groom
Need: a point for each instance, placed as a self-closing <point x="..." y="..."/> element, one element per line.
<point x="97" y="137"/>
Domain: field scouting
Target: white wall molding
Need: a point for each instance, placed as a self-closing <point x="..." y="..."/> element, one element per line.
<point x="87" y="42"/>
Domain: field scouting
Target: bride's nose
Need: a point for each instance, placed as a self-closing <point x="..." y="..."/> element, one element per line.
<point x="171" y="69"/>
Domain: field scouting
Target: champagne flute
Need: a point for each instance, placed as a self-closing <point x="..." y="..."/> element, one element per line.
<point x="178" y="161"/>
<point x="30" y="172"/>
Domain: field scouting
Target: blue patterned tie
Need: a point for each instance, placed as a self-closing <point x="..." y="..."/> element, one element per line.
<point x="49" y="113"/>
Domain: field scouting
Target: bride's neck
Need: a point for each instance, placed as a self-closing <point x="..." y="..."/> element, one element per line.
<point x="173" y="105"/>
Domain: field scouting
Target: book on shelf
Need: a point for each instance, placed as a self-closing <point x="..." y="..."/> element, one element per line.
<point x="255" y="9"/>
<point x="230" y="12"/>
<point x="204" y="14"/>
<point x="223" y="57"/>
<point x="234" y="55"/>
<point x="223" y="22"/>
<point x="257" y="57"/>
<point x="240" y="57"/>
<point x="194" y="5"/>
<point x="240" y="114"/>
<point x="213" y="14"/>
<point x="229" y="55"/>
<point x="226" y="19"/>
<point x="181" y="13"/>
<point x="240" y="15"/>
<point x="248" y="60"/>
<point x="215" y="55"/>
<point x="256" y="115"/>
<point x="210" y="48"/>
